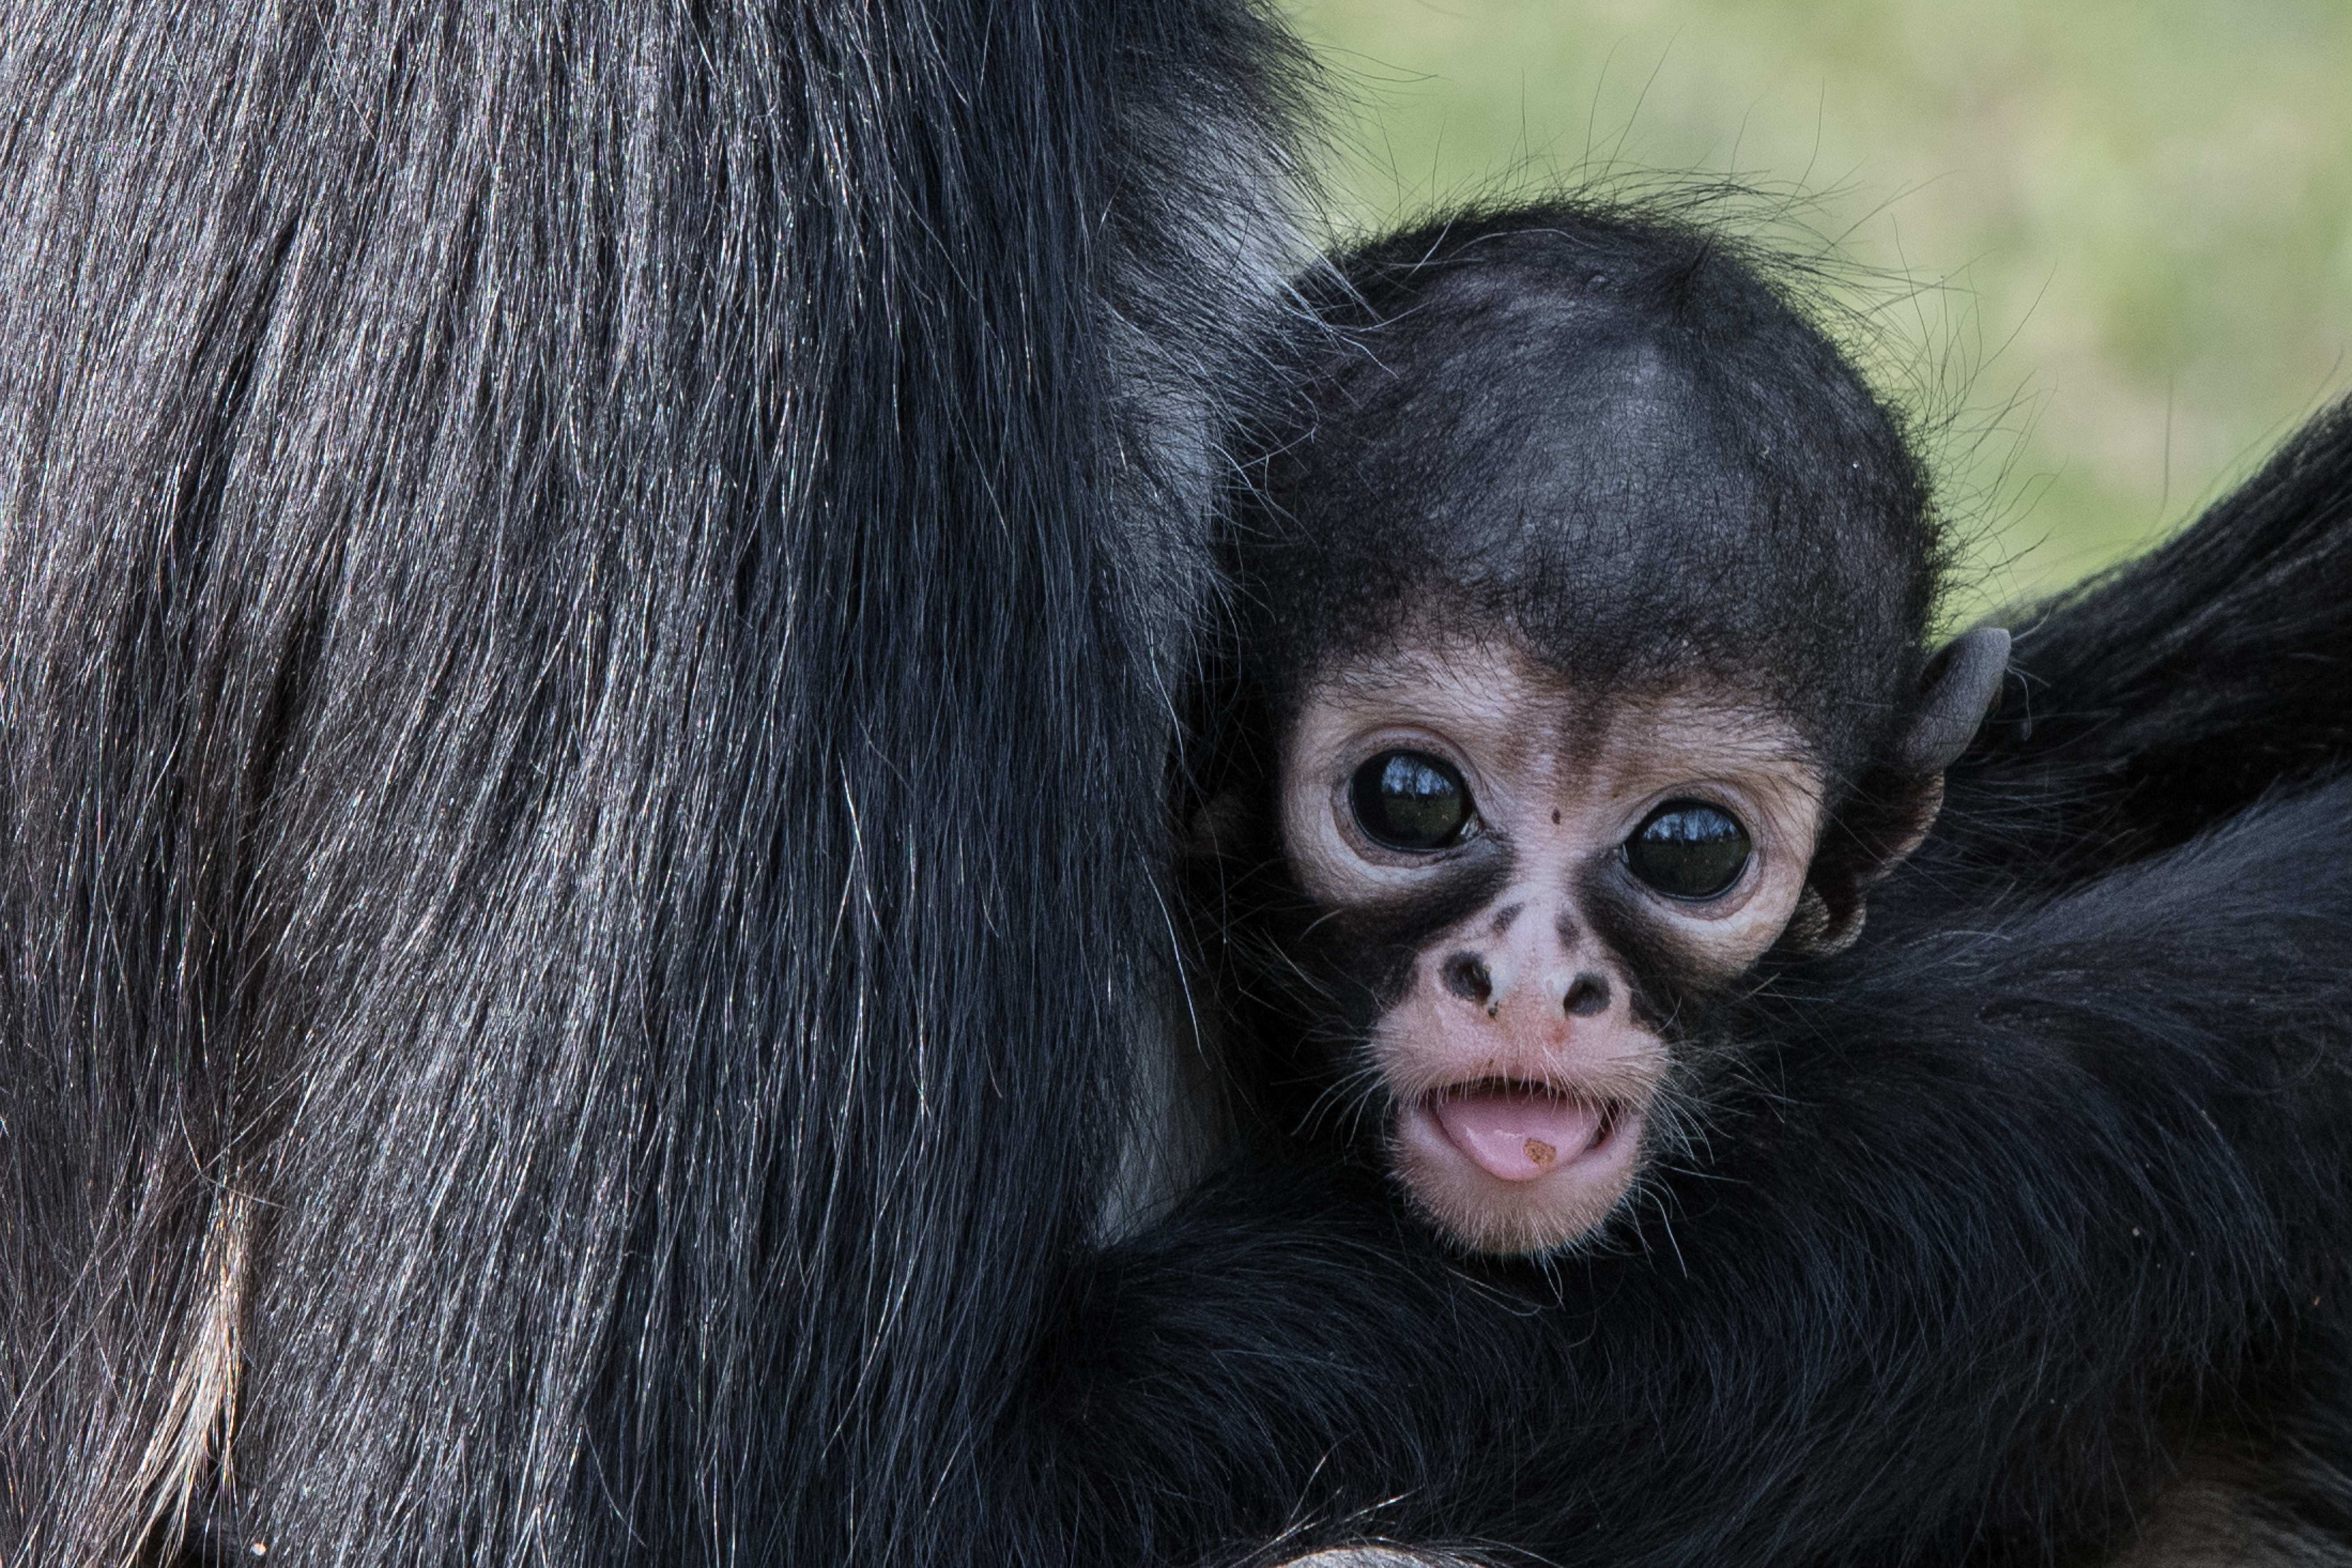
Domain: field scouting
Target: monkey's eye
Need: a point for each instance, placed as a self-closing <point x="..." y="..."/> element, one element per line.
<point x="1688" y="850"/>
<point x="1411" y="801"/>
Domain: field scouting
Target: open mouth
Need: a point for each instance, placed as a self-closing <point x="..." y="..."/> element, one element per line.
<point x="1520" y="1131"/>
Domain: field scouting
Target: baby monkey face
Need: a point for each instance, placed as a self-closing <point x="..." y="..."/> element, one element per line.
<point x="1531" y="875"/>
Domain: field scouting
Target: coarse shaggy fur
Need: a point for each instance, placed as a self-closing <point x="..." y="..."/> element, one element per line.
<point x="579" y="585"/>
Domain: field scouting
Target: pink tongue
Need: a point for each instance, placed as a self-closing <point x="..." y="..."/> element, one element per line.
<point x="1518" y="1134"/>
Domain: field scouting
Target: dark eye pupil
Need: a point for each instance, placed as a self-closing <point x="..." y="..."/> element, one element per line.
<point x="1410" y="800"/>
<point x="1688" y="850"/>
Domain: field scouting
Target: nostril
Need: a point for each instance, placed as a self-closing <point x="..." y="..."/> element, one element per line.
<point x="1466" y="975"/>
<point x="1586" y="995"/>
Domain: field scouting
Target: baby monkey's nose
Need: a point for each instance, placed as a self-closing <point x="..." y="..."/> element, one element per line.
<point x="1586" y="995"/>
<point x="1466" y="976"/>
<point x="1580" y="994"/>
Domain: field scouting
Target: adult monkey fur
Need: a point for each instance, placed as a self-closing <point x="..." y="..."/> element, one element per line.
<point x="564" y="570"/>
<point x="536" y="537"/>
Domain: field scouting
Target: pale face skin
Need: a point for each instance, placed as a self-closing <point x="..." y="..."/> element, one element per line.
<point x="1515" y="1050"/>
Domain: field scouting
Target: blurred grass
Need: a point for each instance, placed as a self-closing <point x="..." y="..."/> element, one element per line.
<point x="2125" y="226"/>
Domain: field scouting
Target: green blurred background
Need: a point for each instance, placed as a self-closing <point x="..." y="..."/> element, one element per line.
<point x="2112" y="239"/>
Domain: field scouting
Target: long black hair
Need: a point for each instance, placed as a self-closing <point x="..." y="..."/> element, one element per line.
<point x="582" y="583"/>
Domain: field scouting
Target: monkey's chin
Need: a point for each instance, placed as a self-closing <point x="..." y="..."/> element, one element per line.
<point x="1446" y="1148"/>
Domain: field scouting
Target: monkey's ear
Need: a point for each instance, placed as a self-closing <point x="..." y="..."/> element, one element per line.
<point x="1962" y="683"/>
<point x="1898" y="804"/>
<point x="1959" y="686"/>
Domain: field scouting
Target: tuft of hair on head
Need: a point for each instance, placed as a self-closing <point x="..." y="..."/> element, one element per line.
<point x="1614" y="430"/>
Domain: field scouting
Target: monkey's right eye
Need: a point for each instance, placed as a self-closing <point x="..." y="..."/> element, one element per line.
<point x="1411" y="801"/>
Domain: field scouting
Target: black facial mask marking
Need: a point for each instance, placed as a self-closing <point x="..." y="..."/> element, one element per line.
<point x="1369" y="954"/>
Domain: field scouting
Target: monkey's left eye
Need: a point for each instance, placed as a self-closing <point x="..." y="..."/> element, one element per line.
<point x="1411" y="801"/>
<point x="1688" y="850"/>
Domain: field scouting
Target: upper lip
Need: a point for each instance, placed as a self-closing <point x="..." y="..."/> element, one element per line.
<point x="1609" y="1105"/>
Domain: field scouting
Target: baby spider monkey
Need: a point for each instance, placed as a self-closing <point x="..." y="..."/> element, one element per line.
<point x="1583" y="678"/>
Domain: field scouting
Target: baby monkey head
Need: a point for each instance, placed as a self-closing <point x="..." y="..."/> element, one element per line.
<point x="1592" y="594"/>
<point x="1521" y="889"/>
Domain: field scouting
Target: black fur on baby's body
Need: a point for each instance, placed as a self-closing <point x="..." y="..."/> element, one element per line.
<point x="2035" y="1194"/>
<point x="2000" y="1223"/>
<point x="584" y="596"/>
